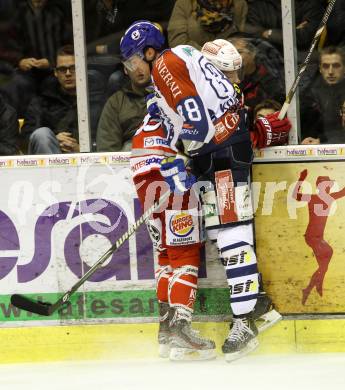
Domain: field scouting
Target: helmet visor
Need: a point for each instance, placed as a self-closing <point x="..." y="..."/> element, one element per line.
<point x="235" y="76"/>
<point x="134" y="62"/>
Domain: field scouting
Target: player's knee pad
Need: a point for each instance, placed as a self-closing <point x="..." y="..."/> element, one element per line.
<point x="162" y="275"/>
<point x="182" y="289"/>
<point x="163" y="258"/>
<point x="230" y="236"/>
<point x="241" y="269"/>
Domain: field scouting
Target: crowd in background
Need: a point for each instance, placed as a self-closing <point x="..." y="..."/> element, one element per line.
<point x="38" y="110"/>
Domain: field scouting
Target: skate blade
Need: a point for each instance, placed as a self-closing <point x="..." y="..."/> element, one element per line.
<point x="185" y="354"/>
<point x="251" y="346"/>
<point x="164" y="350"/>
<point x="267" y="320"/>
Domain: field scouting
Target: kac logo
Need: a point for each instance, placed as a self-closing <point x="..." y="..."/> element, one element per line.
<point x="135" y="35"/>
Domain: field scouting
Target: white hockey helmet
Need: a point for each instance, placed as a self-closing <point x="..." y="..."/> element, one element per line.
<point x="223" y="55"/>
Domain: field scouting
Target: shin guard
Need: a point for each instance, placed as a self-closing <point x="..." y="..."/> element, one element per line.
<point x="182" y="291"/>
<point x="240" y="265"/>
<point x="163" y="274"/>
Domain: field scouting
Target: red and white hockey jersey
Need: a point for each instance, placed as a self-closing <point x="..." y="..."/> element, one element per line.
<point x="149" y="147"/>
<point x="197" y="101"/>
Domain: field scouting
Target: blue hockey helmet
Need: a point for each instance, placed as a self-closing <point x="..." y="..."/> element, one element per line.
<point x="138" y="36"/>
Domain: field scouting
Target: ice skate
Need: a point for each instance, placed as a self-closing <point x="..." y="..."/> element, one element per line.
<point x="164" y="330"/>
<point x="187" y="344"/>
<point x="264" y="313"/>
<point x="241" y="339"/>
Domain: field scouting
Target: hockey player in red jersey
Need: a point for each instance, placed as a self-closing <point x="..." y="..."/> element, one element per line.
<point x="175" y="234"/>
<point x="202" y="108"/>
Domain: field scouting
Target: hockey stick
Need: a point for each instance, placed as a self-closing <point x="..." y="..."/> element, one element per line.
<point x="303" y="67"/>
<point x="47" y="309"/>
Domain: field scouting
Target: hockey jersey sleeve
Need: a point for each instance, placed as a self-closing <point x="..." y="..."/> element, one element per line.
<point x="149" y="147"/>
<point x="172" y="79"/>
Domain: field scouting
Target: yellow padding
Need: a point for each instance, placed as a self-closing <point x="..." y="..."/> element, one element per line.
<point x="133" y="341"/>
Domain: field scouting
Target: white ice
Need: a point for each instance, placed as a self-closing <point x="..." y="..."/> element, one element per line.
<point x="258" y="372"/>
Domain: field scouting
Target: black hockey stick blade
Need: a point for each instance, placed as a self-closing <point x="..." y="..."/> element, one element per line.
<point x="25" y="303"/>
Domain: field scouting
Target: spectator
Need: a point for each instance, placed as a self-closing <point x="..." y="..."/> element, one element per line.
<point x="41" y="30"/>
<point x="51" y="123"/>
<point x="8" y="129"/>
<point x="259" y="83"/>
<point x="311" y="120"/>
<point x="268" y="55"/>
<point x="66" y="9"/>
<point x="264" y="20"/>
<point x="9" y="46"/>
<point x="124" y="111"/>
<point x="310" y="110"/>
<point x="266" y="107"/>
<point x="328" y="90"/>
<point x="194" y="22"/>
<point x="107" y="20"/>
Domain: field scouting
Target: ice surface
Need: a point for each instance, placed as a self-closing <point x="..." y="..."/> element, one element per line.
<point x="256" y="372"/>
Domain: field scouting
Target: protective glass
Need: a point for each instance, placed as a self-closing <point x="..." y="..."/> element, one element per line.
<point x="134" y="62"/>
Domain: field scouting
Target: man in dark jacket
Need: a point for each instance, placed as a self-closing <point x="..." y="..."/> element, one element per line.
<point x="124" y="111"/>
<point x="264" y="20"/>
<point x="8" y="129"/>
<point x="9" y="43"/>
<point x="107" y="20"/>
<point x="40" y="28"/>
<point x="51" y="122"/>
<point x="328" y="90"/>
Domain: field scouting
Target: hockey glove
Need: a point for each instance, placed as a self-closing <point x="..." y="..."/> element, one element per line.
<point x="174" y="172"/>
<point x="151" y="102"/>
<point x="270" y="131"/>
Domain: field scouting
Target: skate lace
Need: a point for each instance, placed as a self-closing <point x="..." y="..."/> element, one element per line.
<point x="239" y="330"/>
<point x="194" y="333"/>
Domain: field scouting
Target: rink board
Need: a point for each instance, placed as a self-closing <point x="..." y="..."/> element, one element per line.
<point x="138" y="341"/>
<point x="283" y="228"/>
<point x="58" y="215"/>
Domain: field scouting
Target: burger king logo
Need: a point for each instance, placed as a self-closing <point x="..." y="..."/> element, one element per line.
<point x="181" y="225"/>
